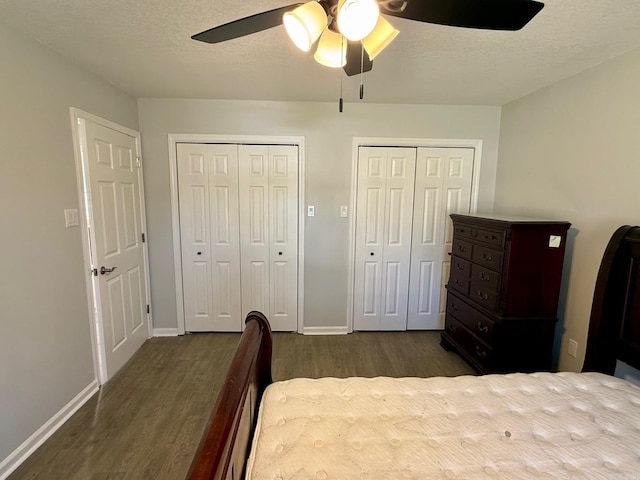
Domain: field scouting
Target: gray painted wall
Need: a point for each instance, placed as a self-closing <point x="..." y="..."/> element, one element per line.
<point x="570" y="152"/>
<point x="329" y="142"/>
<point x="45" y="346"/>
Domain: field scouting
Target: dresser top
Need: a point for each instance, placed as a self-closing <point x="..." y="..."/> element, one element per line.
<point x="508" y="218"/>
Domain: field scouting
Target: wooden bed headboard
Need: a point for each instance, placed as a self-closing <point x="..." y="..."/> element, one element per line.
<point x="225" y="444"/>
<point x="614" y="328"/>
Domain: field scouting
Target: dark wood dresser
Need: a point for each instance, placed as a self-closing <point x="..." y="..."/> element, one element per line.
<point x="502" y="294"/>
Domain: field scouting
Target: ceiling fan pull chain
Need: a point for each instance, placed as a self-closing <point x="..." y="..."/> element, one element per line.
<point x="361" y="71"/>
<point x="340" y="102"/>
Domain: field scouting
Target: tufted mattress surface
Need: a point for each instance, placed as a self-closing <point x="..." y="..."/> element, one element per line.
<point x="517" y="426"/>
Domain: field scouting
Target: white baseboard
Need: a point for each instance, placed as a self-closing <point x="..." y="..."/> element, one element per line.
<point x="164" y="332"/>
<point x="20" y="454"/>
<point x="325" y="331"/>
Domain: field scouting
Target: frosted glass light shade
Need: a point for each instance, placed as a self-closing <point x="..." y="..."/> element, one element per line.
<point x="379" y="38"/>
<point x="332" y="50"/>
<point x="357" y="18"/>
<point x="305" y="24"/>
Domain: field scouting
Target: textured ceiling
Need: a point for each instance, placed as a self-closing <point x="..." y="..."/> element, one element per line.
<point x="144" y="47"/>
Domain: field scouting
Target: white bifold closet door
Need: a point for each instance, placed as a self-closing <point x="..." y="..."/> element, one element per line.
<point x="239" y="234"/>
<point x="403" y="233"/>
<point x="383" y="237"/>
<point x="442" y="187"/>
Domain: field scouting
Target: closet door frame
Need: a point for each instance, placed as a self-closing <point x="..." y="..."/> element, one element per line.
<point x="175" y="139"/>
<point x="475" y="144"/>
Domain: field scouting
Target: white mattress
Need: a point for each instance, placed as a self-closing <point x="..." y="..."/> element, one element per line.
<point x="552" y="426"/>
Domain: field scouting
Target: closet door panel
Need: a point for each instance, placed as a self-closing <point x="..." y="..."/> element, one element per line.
<point x="254" y="227"/>
<point x="283" y="218"/>
<point x="383" y="237"/>
<point x="442" y="186"/>
<point x="208" y="190"/>
<point x="397" y="237"/>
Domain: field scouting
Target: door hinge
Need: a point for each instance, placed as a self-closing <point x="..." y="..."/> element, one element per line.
<point x="143" y="238"/>
<point x="148" y="309"/>
<point x="138" y="162"/>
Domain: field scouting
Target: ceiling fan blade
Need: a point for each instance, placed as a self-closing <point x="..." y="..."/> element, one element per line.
<point x="244" y="26"/>
<point x="355" y="63"/>
<point x="485" y="14"/>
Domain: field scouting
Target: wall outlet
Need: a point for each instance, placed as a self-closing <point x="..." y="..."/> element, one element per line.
<point x="572" y="349"/>
<point x="311" y="211"/>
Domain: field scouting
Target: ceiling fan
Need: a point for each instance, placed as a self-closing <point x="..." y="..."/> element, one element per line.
<point x="351" y="33"/>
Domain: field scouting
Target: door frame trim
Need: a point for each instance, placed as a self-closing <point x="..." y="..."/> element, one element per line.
<point x="84" y="198"/>
<point x="358" y="142"/>
<point x="173" y="140"/>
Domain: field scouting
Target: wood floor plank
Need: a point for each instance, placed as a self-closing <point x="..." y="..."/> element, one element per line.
<point x="147" y="421"/>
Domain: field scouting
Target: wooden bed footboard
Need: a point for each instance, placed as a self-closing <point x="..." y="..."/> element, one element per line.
<point x="226" y="441"/>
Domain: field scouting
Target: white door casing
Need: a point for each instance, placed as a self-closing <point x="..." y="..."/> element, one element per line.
<point x="442" y="186"/>
<point x="115" y="210"/>
<point x="383" y="237"/>
<point x="210" y="236"/>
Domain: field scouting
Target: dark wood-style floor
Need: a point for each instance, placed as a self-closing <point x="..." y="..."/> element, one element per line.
<point x="146" y="422"/>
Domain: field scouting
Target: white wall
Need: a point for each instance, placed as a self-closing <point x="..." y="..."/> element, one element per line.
<point x="329" y="139"/>
<point x="571" y="152"/>
<point x="45" y="346"/>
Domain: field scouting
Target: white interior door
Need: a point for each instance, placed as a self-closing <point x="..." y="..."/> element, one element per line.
<point x="383" y="237"/>
<point x="210" y="246"/>
<point x="442" y="187"/>
<point x="116" y="222"/>
<point x="268" y="180"/>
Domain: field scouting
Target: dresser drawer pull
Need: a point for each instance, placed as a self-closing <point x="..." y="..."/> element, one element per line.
<point x="482" y="327"/>
<point x="486" y="256"/>
<point x="459" y="283"/>
<point x="460" y="266"/>
<point x="480" y="352"/>
<point x="490" y="237"/>
<point x="484" y="276"/>
<point x="460" y="230"/>
<point x="452" y="328"/>
<point x="453" y="306"/>
<point x="461" y="248"/>
<point x="482" y="295"/>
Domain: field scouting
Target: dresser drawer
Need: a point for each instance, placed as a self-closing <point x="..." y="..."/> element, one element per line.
<point x="460" y="274"/>
<point x="475" y="348"/>
<point x="479" y="324"/>
<point x="462" y="248"/>
<point x="484" y="297"/>
<point x="485" y="279"/>
<point x="463" y="230"/>
<point x="487" y="257"/>
<point x="488" y="236"/>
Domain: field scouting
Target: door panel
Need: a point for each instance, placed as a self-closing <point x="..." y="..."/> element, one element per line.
<point x="442" y="186"/>
<point x="208" y="190"/>
<point x="116" y="220"/>
<point x="383" y="236"/>
<point x="283" y="239"/>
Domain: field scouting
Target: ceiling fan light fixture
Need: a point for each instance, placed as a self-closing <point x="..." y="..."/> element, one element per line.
<point x="357" y="18"/>
<point x="305" y="24"/>
<point x="332" y="50"/>
<point x="381" y="36"/>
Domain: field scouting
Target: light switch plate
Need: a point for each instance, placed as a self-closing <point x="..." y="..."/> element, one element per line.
<point x="554" y="241"/>
<point x="71" y="218"/>
<point x="311" y="211"/>
<point x="343" y="211"/>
